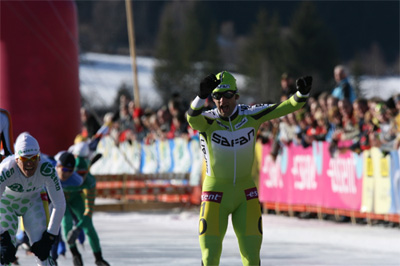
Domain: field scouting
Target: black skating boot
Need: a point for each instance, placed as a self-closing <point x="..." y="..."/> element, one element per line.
<point x="76" y="257"/>
<point x="99" y="259"/>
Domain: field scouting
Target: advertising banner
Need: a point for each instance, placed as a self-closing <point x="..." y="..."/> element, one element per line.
<point x="343" y="174"/>
<point x="382" y="197"/>
<point x="164" y="149"/>
<point x="272" y="186"/>
<point x="304" y="167"/>
<point x="309" y="176"/>
<point x="395" y="182"/>
<point x="367" y="202"/>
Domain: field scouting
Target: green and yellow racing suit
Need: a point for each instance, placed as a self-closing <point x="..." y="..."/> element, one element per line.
<point x="228" y="145"/>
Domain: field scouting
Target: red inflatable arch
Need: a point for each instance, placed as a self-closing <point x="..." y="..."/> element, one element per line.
<point x="39" y="70"/>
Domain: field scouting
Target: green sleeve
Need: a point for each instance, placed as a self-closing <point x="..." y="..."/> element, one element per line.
<point x="291" y="105"/>
<point x="195" y="118"/>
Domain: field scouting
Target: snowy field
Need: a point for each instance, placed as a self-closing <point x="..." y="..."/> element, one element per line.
<point x="101" y="75"/>
<point x="161" y="238"/>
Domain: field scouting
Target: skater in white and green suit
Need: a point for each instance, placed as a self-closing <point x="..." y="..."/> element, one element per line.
<point x="23" y="177"/>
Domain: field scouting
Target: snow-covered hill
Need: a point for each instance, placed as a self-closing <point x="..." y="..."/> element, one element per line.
<point x="102" y="75"/>
<point x="384" y="87"/>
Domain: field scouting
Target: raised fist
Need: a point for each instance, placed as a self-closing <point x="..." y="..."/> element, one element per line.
<point x="303" y="84"/>
<point x="207" y="85"/>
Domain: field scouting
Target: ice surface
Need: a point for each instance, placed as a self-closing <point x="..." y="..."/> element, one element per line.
<point x="161" y="238"/>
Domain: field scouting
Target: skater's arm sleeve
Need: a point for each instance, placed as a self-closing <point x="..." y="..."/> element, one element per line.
<point x="264" y="112"/>
<point x="196" y="118"/>
<point x="90" y="194"/>
<point x="56" y="194"/>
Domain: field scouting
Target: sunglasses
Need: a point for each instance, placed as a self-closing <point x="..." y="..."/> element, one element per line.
<point x="67" y="170"/>
<point x="33" y="158"/>
<point x="226" y="95"/>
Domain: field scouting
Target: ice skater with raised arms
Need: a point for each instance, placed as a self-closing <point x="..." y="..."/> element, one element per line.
<point x="227" y="138"/>
<point x="23" y="177"/>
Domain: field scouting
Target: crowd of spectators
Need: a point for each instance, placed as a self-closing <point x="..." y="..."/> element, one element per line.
<point x="356" y="126"/>
<point x="346" y="123"/>
<point x="132" y="123"/>
<point x="338" y="117"/>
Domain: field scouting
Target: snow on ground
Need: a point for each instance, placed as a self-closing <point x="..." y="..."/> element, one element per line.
<point x="102" y="75"/>
<point x="163" y="238"/>
<point x="384" y="87"/>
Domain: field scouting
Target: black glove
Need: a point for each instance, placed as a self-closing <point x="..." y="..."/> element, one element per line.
<point x="207" y="85"/>
<point x="42" y="247"/>
<point x="7" y="249"/>
<point x="303" y="84"/>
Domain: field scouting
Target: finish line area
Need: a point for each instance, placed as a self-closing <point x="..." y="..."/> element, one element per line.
<point x="170" y="237"/>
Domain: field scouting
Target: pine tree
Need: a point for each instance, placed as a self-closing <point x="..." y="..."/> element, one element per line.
<point x="183" y="45"/>
<point x="212" y="62"/>
<point x="107" y="17"/>
<point x="313" y="51"/>
<point x="262" y="59"/>
<point x="166" y="73"/>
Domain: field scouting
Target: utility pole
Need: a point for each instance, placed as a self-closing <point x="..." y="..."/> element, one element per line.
<point x="132" y="49"/>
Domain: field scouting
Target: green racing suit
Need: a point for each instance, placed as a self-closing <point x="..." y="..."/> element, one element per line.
<point x="228" y="145"/>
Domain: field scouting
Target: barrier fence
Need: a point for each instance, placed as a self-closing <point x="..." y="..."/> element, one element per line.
<point x="145" y="187"/>
<point x="365" y="185"/>
<point x="166" y="171"/>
